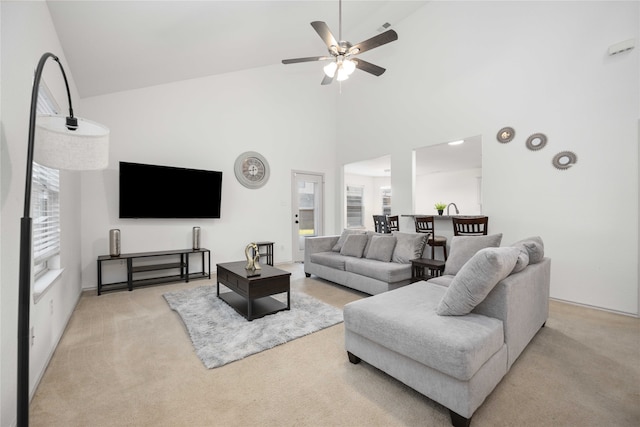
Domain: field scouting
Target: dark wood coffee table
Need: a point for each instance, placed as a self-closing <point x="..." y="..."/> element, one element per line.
<point x="251" y="296"/>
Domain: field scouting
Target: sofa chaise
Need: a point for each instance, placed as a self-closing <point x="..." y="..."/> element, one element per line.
<point x="454" y="337"/>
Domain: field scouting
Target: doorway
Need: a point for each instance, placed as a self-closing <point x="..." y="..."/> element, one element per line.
<point x="367" y="186"/>
<point x="307" y="206"/>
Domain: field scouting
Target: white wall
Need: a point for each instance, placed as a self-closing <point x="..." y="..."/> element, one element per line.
<point x="2" y="400"/>
<point x="471" y="68"/>
<point x="27" y="33"/>
<point x="459" y="187"/>
<point x="205" y="124"/>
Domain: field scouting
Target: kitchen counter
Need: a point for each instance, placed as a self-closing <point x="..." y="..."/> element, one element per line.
<point x="436" y="216"/>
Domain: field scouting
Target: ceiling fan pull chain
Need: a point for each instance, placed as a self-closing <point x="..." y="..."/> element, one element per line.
<point x="340" y="23"/>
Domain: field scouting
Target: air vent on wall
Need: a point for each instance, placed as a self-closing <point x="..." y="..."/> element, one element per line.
<point x="624" y="46"/>
<point x="384" y="27"/>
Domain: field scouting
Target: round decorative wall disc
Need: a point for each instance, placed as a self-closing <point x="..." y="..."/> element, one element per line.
<point x="506" y="134"/>
<point x="537" y="141"/>
<point x="564" y="160"/>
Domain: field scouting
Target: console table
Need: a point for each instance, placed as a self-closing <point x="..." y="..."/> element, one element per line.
<point x="151" y="263"/>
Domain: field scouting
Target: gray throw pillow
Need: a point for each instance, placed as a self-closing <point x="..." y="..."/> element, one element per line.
<point x="523" y="258"/>
<point x="354" y="245"/>
<point x="371" y="234"/>
<point x="476" y="279"/>
<point x="534" y="246"/>
<point x="381" y="248"/>
<point x="346" y="232"/>
<point x="464" y="247"/>
<point x="409" y="246"/>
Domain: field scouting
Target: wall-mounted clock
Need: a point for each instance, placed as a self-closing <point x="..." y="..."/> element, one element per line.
<point x="252" y="169"/>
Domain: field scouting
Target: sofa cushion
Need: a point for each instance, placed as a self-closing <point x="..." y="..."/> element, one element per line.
<point x="346" y="232"/>
<point x="380" y="248"/>
<point x="354" y="245"/>
<point x="389" y="272"/>
<point x="441" y="280"/>
<point x="409" y="246"/>
<point x="328" y="259"/>
<point x="405" y="321"/>
<point x="464" y="247"/>
<point x="534" y="247"/>
<point x="475" y="280"/>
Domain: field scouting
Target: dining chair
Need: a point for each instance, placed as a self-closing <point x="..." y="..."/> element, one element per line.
<point x="392" y="223"/>
<point x="380" y="223"/>
<point x="425" y="224"/>
<point x="471" y="226"/>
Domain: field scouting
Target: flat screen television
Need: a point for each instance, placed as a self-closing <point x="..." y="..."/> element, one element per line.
<point x="151" y="191"/>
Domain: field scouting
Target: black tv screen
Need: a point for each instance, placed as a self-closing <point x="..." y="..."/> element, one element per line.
<point x="150" y="191"/>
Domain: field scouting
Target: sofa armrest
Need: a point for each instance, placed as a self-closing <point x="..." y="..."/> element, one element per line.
<point x="317" y="244"/>
<point x="521" y="301"/>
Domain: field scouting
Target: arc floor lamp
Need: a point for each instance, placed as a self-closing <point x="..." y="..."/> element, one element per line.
<point x="62" y="143"/>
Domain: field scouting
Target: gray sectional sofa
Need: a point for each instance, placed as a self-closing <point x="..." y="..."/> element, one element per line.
<point x="454" y="337"/>
<point x="368" y="262"/>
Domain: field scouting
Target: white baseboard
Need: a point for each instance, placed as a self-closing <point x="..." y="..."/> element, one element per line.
<point x="608" y="310"/>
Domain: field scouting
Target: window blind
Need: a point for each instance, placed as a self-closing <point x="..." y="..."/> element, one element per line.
<point x="386" y="200"/>
<point x="45" y="190"/>
<point x="45" y="201"/>
<point x="355" y="208"/>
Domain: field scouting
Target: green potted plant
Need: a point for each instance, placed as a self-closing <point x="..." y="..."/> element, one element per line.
<point x="440" y="207"/>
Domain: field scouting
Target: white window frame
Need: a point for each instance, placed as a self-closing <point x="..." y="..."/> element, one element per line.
<point x="385" y="200"/>
<point x="45" y="211"/>
<point x="355" y="206"/>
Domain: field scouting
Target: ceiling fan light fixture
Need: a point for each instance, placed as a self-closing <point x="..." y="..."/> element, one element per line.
<point x="330" y="69"/>
<point x="341" y="67"/>
<point x="349" y="66"/>
<point x="342" y="74"/>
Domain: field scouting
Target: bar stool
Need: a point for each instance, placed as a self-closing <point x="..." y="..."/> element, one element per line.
<point x="475" y="226"/>
<point x="392" y="223"/>
<point x="380" y="224"/>
<point x="424" y="224"/>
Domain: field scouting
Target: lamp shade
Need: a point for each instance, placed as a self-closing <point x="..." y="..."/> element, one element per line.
<point x="86" y="148"/>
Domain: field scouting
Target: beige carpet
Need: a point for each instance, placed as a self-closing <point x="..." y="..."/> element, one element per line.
<point x="126" y="360"/>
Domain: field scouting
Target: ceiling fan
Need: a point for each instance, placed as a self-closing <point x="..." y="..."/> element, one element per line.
<point x="343" y="61"/>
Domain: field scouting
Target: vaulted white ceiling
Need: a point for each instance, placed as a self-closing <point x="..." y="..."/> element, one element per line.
<point x="113" y="46"/>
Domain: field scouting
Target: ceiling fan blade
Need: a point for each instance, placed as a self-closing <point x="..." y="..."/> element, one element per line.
<point x="325" y="33"/>
<point x="307" y="59"/>
<point x="368" y="67"/>
<point x="327" y="80"/>
<point x="373" y="42"/>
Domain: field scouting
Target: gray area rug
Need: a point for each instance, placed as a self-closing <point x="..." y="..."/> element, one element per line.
<point x="221" y="336"/>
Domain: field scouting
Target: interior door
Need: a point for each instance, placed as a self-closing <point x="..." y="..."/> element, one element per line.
<point x="307" y="206"/>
